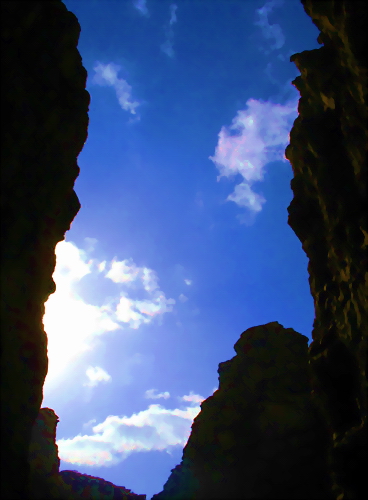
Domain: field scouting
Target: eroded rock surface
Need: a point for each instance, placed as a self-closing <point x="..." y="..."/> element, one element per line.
<point x="328" y="146"/>
<point x="259" y="435"/>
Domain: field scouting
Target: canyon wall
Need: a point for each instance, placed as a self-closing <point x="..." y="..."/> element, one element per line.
<point x="259" y="435"/>
<point x="44" y="119"/>
<point x="286" y="422"/>
<point x="327" y="151"/>
<point x="47" y="482"/>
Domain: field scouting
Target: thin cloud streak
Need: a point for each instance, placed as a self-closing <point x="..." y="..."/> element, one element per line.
<point x="270" y="31"/>
<point x="106" y="75"/>
<point x="167" y="46"/>
<point x="141" y="6"/>
<point x="151" y="394"/>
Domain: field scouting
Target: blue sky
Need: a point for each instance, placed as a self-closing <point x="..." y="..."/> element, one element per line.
<point x="182" y="240"/>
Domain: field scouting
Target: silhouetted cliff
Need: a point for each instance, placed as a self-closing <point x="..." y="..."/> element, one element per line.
<point x="48" y="483"/>
<point x="45" y="481"/>
<point x="328" y="146"/>
<point x="259" y="435"/>
<point x="254" y="424"/>
<point x="44" y="120"/>
<point x="85" y="486"/>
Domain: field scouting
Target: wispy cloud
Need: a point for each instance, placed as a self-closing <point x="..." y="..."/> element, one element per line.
<point x="72" y="324"/>
<point x="141" y="5"/>
<point x="167" y="46"/>
<point x="113" y="440"/>
<point x="150" y="394"/>
<point x="272" y="32"/>
<point x="188" y="282"/>
<point x="107" y="74"/>
<point x="183" y="298"/>
<point x="192" y="398"/>
<point x="96" y="375"/>
<point x="262" y="133"/>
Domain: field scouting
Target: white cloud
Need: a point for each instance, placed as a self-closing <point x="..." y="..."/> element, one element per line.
<point x="150" y="394"/>
<point x="270" y="31"/>
<point x="141" y="5"/>
<point x="137" y="312"/>
<point x="96" y="375"/>
<point x="123" y="271"/>
<point x="183" y="298"/>
<point x="113" y="440"/>
<point x="149" y="279"/>
<point x="102" y="266"/>
<point x="72" y="325"/>
<point x="106" y="74"/>
<point x="192" y="398"/>
<point x="262" y="135"/>
<point x="188" y="282"/>
<point x="167" y="46"/>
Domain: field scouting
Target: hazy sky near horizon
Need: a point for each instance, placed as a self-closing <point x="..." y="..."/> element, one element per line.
<point x="182" y="240"/>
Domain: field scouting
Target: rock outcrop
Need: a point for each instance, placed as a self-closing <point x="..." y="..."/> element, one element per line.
<point x="44" y="119"/>
<point x="95" y="488"/>
<point x="48" y="483"/>
<point x="327" y="151"/>
<point x="45" y="480"/>
<point x="44" y="113"/>
<point x="259" y="435"/>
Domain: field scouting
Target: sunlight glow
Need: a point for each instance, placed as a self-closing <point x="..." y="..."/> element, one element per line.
<point x="72" y="324"/>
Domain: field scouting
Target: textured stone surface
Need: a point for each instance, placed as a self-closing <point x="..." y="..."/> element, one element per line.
<point x="259" y="435"/>
<point x="328" y="145"/>
<point x="44" y="120"/>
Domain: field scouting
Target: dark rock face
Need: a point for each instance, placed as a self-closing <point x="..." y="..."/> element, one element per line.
<point x="91" y="487"/>
<point x="284" y="423"/>
<point x="259" y="435"/>
<point x="48" y="483"/>
<point x="327" y="150"/>
<point x="44" y="120"/>
<point x="45" y="481"/>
